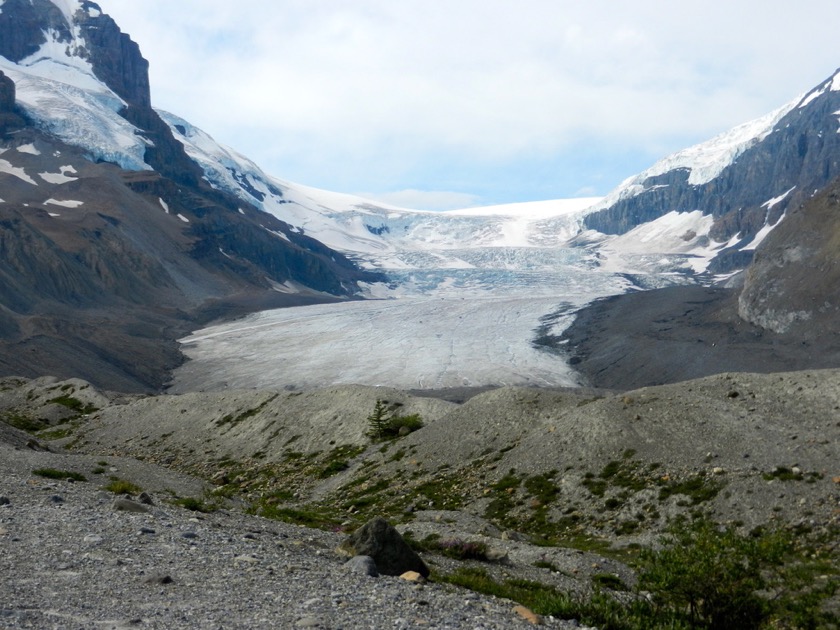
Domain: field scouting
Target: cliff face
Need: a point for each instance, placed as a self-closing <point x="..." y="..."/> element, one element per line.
<point x="801" y="154"/>
<point x="793" y="283"/>
<point x="9" y="117"/>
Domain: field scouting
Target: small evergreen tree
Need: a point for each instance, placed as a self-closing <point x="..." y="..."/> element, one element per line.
<point x="377" y="421"/>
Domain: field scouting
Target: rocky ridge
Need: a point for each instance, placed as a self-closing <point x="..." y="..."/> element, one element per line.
<point x="795" y="153"/>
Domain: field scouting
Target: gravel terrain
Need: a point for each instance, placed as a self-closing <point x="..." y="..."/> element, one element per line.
<point x="71" y="560"/>
<point x="680" y="333"/>
<point x="597" y="471"/>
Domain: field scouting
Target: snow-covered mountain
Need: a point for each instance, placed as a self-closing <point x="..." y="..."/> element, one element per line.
<point x="112" y="241"/>
<point x="744" y="181"/>
<point x="699" y="212"/>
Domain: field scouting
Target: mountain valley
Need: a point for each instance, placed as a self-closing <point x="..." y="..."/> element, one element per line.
<point x="210" y="376"/>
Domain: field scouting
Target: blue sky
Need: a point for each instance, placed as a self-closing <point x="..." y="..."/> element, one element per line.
<point x="438" y="104"/>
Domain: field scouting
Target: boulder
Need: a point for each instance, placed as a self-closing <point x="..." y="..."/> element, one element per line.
<point x="362" y="565"/>
<point x="378" y="539"/>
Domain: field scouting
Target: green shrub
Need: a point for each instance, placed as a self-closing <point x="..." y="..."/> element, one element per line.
<point x="52" y="473"/>
<point x="74" y="404"/>
<point x="194" y="505"/>
<point x="385" y="424"/>
<point x="333" y="468"/>
<point x="703" y="577"/>
<point x="121" y="486"/>
<point x="462" y="550"/>
<point x="711" y="576"/>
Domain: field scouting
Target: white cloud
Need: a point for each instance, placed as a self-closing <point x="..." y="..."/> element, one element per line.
<point x="376" y="90"/>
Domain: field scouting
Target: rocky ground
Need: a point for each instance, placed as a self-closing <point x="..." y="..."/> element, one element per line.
<point x="680" y="333"/>
<point x="71" y="559"/>
<point x="555" y="486"/>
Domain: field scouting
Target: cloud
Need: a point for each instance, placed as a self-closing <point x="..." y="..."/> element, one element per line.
<point x="374" y="91"/>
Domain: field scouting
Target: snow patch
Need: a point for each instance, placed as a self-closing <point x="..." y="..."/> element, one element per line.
<point x="776" y="200"/>
<point x="28" y="148"/>
<point x="53" y="214"/>
<point x="20" y="173"/>
<point x="69" y="203"/>
<point x="61" y="177"/>
<point x="280" y="234"/>
<point x="768" y="227"/>
<point x="683" y="238"/>
<point x="183" y="218"/>
<point x="164" y="205"/>
<point x="762" y="234"/>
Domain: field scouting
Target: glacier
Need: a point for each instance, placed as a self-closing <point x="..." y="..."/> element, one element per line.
<point x="468" y="296"/>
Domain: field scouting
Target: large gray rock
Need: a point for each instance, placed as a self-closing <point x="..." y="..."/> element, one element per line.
<point x="378" y="539"/>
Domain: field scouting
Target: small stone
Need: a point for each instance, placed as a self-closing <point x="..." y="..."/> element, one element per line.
<point x="836" y="479"/>
<point x="146" y="530"/>
<point x="189" y="535"/>
<point x="362" y="565"/>
<point x="528" y="615"/>
<point x="92" y="539"/>
<point x="159" y="578"/>
<point x="145" y="499"/>
<point x="56" y="499"/>
<point x="3" y="532"/>
<point x="718" y="470"/>
<point x="308" y="622"/>
<point x="497" y="555"/>
<point x="5" y="501"/>
<point x="246" y="559"/>
<point x="413" y="576"/>
<point x="127" y="505"/>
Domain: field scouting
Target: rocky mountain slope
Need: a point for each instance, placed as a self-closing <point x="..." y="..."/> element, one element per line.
<point x="113" y="243"/>
<point x="746" y="179"/>
<point x="792" y="285"/>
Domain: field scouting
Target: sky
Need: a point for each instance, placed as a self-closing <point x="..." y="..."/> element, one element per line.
<point x="440" y="104"/>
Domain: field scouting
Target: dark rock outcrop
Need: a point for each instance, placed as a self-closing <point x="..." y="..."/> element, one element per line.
<point x="23" y="24"/>
<point x="115" y="58"/>
<point x="7" y="94"/>
<point x="9" y="117"/>
<point x="379" y="540"/>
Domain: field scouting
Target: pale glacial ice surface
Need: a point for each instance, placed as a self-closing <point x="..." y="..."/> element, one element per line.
<point x="424" y="342"/>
